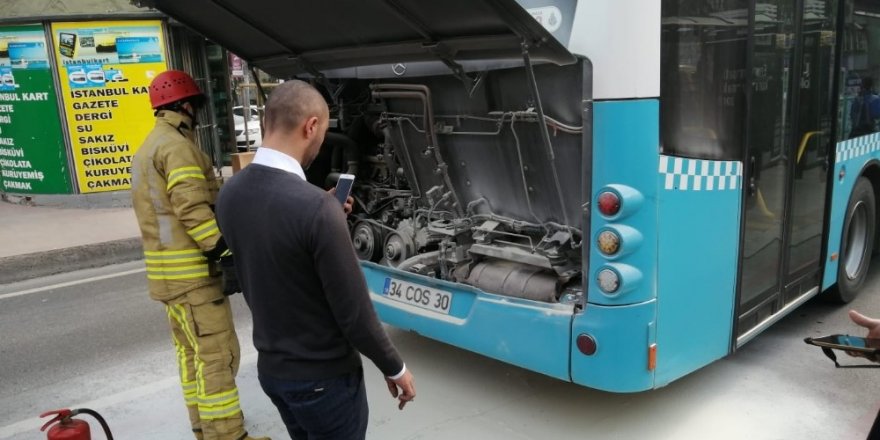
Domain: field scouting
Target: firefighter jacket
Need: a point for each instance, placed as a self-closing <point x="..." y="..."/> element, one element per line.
<point x="173" y="193"/>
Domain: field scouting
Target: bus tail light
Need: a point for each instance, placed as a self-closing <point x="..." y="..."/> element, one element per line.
<point x="609" y="281"/>
<point x="652" y="357"/>
<point x="615" y="241"/>
<point x="586" y="344"/>
<point x="616" y="202"/>
<point x="609" y="203"/>
<point x="615" y="279"/>
<point x="609" y="242"/>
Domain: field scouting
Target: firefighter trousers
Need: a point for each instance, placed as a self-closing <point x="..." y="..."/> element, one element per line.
<point x="208" y="356"/>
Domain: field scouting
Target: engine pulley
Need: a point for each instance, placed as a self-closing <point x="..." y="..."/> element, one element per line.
<point x="398" y="247"/>
<point x="367" y="240"/>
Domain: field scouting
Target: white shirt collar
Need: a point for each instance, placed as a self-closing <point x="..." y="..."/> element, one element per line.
<point x="276" y="159"/>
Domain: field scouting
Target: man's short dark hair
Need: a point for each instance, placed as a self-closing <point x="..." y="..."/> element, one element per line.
<point x="291" y="103"/>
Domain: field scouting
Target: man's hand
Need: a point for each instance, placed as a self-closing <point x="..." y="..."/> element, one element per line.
<point x="873" y="326"/>
<point x="407" y="392"/>
<point x="349" y="202"/>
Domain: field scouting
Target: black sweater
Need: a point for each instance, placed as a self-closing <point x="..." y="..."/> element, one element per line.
<point x="300" y="277"/>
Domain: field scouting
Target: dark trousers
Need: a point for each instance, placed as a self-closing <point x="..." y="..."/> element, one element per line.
<point x="328" y="409"/>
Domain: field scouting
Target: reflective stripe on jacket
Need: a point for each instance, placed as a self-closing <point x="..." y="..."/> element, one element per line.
<point x="173" y="192"/>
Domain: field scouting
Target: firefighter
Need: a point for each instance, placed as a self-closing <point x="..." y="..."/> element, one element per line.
<point x="173" y="192"/>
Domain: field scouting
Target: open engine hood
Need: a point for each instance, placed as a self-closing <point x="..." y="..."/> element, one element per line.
<point x="287" y="38"/>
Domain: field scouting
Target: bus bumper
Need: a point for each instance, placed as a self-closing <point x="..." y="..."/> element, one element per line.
<point x="623" y="337"/>
<point x="529" y="334"/>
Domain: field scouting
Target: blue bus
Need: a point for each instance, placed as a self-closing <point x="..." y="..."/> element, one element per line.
<point x="614" y="193"/>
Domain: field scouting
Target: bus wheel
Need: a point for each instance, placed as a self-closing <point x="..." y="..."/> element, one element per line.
<point x="857" y="242"/>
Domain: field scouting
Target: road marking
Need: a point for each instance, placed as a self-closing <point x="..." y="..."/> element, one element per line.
<point x="168" y="386"/>
<point x="71" y="283"/>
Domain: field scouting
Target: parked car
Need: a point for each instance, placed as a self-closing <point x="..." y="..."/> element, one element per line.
<point x="254" y="137"/>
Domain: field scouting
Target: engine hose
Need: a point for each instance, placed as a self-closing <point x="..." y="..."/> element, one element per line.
<point x="422" y="93"/>
<point x="408" y="169"/>
<point x="345" y="147"/>
<point x="428" y="258"/>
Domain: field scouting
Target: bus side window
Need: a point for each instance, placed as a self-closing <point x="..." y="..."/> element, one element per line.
<point x="702" y="79"/>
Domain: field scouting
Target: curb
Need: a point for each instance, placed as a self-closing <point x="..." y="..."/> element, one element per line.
<point x="40" y="264"/>
<point x="111" y="199"/>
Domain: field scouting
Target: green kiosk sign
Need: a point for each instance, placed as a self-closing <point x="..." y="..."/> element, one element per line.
<point x="33" y="158"/>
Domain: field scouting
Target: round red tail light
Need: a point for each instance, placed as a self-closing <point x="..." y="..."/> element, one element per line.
<point x="586" y="344"/>
<point x="609" y="203"/>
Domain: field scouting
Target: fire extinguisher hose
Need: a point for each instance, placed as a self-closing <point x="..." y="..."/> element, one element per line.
<point x="98" y="417"/>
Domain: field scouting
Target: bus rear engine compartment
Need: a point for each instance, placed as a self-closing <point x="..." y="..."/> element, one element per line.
<point x="459" y="186"/>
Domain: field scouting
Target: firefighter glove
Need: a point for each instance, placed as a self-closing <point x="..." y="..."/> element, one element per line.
<point x="230" y="280"/>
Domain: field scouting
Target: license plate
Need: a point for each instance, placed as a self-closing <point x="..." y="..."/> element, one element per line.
<point x="435" y="300"/>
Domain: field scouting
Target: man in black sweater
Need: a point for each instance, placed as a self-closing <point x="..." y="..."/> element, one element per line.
<point x="301" y="279"/>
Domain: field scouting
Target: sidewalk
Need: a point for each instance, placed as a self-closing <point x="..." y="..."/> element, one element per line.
<point x="67" y="233"/>
<point x="39" y="241"/>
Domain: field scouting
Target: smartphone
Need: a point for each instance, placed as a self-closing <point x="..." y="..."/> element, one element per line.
<point x="343" y="187"/>
<point x="847" y="343"/>
<point x="67" y="44"/>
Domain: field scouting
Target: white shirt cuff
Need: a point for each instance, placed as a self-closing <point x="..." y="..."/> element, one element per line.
<point x="399" y="375"/>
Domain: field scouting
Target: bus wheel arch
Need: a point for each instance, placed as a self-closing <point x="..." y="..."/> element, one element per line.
<point x="858" y="237"/>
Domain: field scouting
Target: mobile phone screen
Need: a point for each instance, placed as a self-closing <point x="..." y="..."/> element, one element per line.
<point x="857" y="342"/>
<point x="847" y="342"/>
<point x="343" y="187"/>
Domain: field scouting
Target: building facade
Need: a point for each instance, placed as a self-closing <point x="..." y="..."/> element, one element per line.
<point x="74" y="104"/>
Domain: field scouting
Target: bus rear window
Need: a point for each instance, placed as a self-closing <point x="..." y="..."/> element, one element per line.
<point x="702" y="78"/>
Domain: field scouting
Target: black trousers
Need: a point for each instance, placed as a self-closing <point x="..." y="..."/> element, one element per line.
<point x="328" y="409"/>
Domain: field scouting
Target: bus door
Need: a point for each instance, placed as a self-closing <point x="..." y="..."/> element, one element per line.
<point x="788" y="132"/>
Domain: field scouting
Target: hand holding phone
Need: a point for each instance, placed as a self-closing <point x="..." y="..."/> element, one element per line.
<point x="343" y="187"/>
<point x="868" y="348"/>
<point x="847" y="343"/>
<point x="342" y="191"/>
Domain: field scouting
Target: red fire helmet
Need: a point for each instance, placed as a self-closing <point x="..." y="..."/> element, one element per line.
<point x="172" y="86"/>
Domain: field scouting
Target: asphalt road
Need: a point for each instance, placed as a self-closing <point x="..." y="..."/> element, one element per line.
<point x="103" y="344"/>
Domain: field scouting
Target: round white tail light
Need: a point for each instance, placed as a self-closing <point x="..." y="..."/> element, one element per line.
<point x="608" y="280"/>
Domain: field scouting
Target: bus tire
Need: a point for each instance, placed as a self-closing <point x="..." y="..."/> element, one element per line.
<point x="856" y="242"/>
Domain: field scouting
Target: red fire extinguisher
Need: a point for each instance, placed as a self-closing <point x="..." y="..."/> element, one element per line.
<point x="69" y="428"/>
